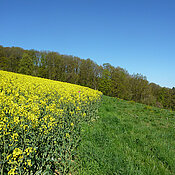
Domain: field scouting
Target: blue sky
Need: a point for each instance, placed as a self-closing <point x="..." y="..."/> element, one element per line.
<point x="137" y="35"/>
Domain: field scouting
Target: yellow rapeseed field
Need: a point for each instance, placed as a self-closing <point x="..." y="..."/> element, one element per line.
<point x="39" y="122"/>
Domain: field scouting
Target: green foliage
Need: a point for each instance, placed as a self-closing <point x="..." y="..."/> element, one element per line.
<point x="26" y="65"/>
<point x="105" y="81"/>
<point x="112" y="81"/>
<point x="128" y="138"/>
<point x="88" y="73"/>
<point x="4" y="63"/>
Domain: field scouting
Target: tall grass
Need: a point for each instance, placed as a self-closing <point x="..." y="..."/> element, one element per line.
<point x="128" y="138"/>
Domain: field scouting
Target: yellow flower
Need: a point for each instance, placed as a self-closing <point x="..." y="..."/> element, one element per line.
<point x="15" y="136"/>
<point x="29" y="162"/>
<point x="8" y="156"/>
<point x="67" y="135"/>
<point x="12" y="171"/>
<point x="16" y="153"/>
<point x="31" y="103"/>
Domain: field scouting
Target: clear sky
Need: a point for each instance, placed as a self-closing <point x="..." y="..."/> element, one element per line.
<point x="137" y="35"/>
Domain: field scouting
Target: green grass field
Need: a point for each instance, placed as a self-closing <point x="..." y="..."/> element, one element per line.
<point x="128" y="138"/>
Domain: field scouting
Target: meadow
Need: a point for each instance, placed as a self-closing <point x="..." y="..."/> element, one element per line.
<point x="40" y="123"/>
<point x="128" y="139"/>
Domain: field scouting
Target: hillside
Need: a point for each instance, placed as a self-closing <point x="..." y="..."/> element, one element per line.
<point x="112" y="81"/>
<point x="40" y="123"/>
<point x="53" y="127"/>
<point x="128" y="138"/>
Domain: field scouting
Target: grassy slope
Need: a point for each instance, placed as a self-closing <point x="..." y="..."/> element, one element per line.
<point x="128" y="138"/>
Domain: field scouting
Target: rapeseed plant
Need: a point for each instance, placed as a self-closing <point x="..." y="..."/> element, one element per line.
<point x="39" y="122"/>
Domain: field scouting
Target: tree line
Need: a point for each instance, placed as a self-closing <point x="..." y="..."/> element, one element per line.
<point x="112" y="81"/>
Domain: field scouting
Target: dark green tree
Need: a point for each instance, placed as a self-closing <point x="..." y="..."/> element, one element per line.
<point x="105" y="84"/>
<point x="87" y="73"/>
<point x="173" y="99"/>
<point x="112" y="81"/>
<point x="140" y="89"/>
<point x="4" y="63"/>
<point x="26" y="64"/>
<point x="42" y="65"/>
